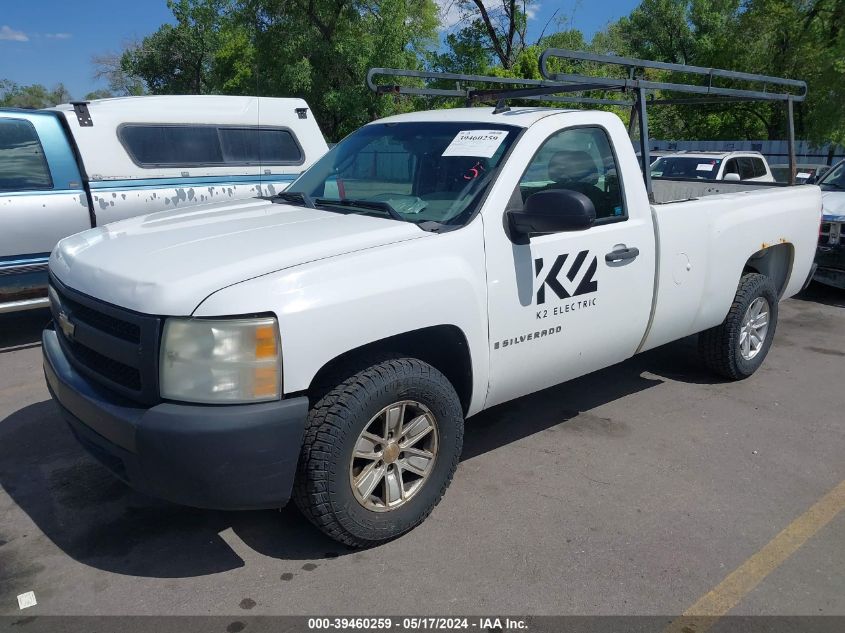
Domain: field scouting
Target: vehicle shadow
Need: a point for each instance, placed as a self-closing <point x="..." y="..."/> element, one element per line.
<point x="97" y="520"/>
<point x="20" y="330"/>
<point x="820" y="293"/>
<point x="559" y="405"/>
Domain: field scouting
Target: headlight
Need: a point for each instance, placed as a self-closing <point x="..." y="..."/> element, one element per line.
<point x="220" y="361"/>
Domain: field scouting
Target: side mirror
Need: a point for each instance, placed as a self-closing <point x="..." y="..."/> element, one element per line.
<point x="732" y="177"/>
<point x="552" y="211"/>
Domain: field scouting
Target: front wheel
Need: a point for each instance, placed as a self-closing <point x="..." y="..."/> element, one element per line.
<point x="736" y="348"/>
<point x="380" y="450"/>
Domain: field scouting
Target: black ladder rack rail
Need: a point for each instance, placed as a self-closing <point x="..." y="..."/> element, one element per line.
<point x="555" y="84"/>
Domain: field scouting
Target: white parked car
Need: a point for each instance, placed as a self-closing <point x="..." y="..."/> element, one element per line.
<point x="329" y="343"/>
<point x="729" y="166"/>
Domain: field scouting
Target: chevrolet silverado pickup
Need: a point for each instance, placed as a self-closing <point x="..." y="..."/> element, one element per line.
<point x="327" y="343"/>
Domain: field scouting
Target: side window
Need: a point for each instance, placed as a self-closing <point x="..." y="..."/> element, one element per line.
<point x="208" y="145"/>
<point x="732" y="167"/>
<point x="254" y="145"/>
<point x="580" y="160"/>
<point x="759" y="167"/>
<point x="746" y="167"/>
<point x="175" y="145"/>
<point x="23" y="166"/>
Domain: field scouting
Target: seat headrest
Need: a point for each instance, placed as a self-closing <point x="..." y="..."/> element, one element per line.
<point x="572" y="165"/>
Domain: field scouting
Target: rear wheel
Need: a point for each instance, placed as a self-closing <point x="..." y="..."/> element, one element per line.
<point x="737" y="347"/>
<point x="380" y="450"/>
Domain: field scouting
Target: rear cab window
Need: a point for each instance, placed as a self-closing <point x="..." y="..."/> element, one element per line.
<point x="23" y="165"/>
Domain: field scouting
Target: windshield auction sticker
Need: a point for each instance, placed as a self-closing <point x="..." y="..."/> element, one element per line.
<point x="480" y="143"/>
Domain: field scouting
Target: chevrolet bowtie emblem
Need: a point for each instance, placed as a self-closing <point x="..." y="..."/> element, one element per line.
<point x="66" y="324"/>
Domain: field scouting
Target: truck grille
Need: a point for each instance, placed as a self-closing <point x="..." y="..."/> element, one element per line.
<point x="115" y="371"/>
<point x="112" y="346"/>
<point x="108" y="324"/>
<point x="830" y="233"/>
<point x="824" y="233"/>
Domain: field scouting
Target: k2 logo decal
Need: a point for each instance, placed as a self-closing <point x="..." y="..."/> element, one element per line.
<point x="579" y="279"/>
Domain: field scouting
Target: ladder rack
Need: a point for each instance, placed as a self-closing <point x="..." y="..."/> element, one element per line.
<point x="568" y="87"/>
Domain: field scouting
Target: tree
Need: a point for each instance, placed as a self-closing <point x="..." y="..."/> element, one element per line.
<point x="99" y="94"/>
<point x="492" y="33"/>
<point x="322" y="50"/>
<point x="801" y="40"/>
<point x="784" y="38"/>
<point x="109" y="67"/>
<point x="825" y="117"/>
<point x="178" y="59"/>
<point x="34" y="96"/>
<point x="316" y="49"/>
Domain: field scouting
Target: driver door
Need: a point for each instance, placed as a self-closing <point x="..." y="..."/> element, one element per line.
<point x="558" y="306"/>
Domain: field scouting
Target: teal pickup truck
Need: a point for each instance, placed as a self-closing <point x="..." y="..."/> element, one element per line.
<point x="86" y="164"/>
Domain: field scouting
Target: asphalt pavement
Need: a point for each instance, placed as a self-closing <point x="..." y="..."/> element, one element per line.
<point x="634" y="490"/>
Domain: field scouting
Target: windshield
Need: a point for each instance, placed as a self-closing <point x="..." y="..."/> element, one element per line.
<point x="803" y="173"/>
<point x="835" y="178"/>
<point x="686" y="167"/>
<point x="417" y="171"/>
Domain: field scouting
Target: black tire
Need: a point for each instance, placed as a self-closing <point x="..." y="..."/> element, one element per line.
<point x="323" y="492"/>
<point x="719" y="346"/>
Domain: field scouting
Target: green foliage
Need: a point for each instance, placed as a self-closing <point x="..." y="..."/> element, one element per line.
<point x="36" y="96"/>
<point x="783" y="38"/>
<point x="178" y="59"/>
<point x="98" y="94"/>
<point x="321" y="50"/>
<point x="316" y="49"/>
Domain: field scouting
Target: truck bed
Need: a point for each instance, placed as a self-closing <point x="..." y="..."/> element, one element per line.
<point x="705" y="232"/>
<point x="668" y="190"/>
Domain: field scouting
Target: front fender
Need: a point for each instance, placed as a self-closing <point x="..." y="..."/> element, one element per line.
<point x="334" y="305"/>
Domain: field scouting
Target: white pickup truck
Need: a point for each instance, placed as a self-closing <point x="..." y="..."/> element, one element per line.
<point x="328" y="343"/>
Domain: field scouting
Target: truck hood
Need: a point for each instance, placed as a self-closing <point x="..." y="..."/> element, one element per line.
<point x="167" y="263"/>
<point x="833" y="206"/>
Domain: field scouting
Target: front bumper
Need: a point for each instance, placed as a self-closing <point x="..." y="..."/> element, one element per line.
<point x="229" y="457"/>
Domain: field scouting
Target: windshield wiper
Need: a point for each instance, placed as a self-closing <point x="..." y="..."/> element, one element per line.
<point x="377" y="205"/>
<point x="296" y="197"/>
<point x="831" y="184"/>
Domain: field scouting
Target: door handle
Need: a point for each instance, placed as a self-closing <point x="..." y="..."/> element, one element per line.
<point x="622" y="254"/>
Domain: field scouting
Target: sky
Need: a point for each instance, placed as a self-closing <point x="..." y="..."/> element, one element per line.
<point x="52" y="41"/>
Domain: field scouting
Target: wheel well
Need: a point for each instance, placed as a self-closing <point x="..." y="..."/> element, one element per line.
<point x="444" y="347"/>
<point x="773" y="261"/>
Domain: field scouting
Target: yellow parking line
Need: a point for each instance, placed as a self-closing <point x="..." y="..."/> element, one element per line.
<point x="728" y="593"/>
